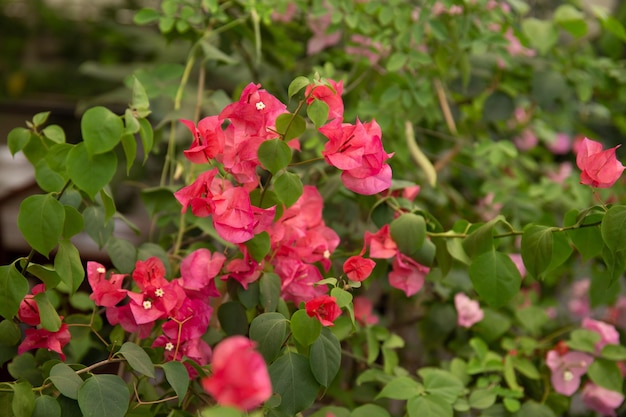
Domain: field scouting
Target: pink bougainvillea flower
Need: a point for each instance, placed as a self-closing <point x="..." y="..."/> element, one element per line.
<point x="319" y="26"/>
<point x="123" y="316"/>
<point x="407" y="275"/>
<point x="189" y="321"/>
<point x="567" y="369"/>
<point x="364" y="182"/>
<point x="239" y="375"/>
<point x="298" y="279"/>
<point x="208" y="139"/>
<point x="601" y="400"/>
<point x="381" y="244"/>
<point x="155" y="303"/>
<point x="29" y="311"/>
<point x="198" y="271"/>
<point x="363" y="311"/>
<point x="105" y="292"/>
<point x="468" y="310"/>
<point x="608" y="334"/>
<point x="244" y="270"/>
<point x="324" y="308"/>
<point x="600" y="168"/>
<point x="42" y="338"/>
<point x="233" y="216"/>
<point x="255" y="113"/>
<point x="329" y="94"/>
<point x="199" y="193"/>
<point x="358" y="268"/>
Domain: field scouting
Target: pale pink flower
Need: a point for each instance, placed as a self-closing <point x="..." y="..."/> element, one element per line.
<point x="601" y="400"/>
<point x="608" y="334"/>
<point x="468" y="310"/>
<point x="363" y="308"/>
<point x="526" y="141"/>
<point x="564" y="171"/>
<point x="578" y="303"/>
<point x="407" y="274"/>
<point x="561" y="144"/>
<point x="515" y="47"/>
<point x="567" y="369"/>
<point x="381" y="244"/>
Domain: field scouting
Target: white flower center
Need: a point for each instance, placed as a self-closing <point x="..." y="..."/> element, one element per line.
<point x="169" y="346"/>
<point x="260" y="105"/>
<point x="147" y="304"/>
<point x="101" y="270"/>
<point x="326" y="254"/>
<point x="568" y="376"/>
<point x="159" y="292"/>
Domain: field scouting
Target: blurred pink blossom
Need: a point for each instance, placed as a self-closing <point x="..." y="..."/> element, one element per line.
<point x="363" y="311"/>
<point x="526" y="141"/>
<point x="564" y="172"/>
<point x="515" y="47"/>
<point x="468" y="310"/>
<point x="321" y="39"/>
<point x="601" y="400"/>
<point x="561" y="144"/>
<point x="578" y="303"/>
<point x="567" y="369"/>
<point x="608" y="334"/>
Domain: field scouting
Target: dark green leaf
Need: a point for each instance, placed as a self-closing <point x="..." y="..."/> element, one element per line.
<point x="50" y="319"/>
<point x="66" y="380"/>
<point x="123" y="254"/>
<point x="325" y="357"/>
<point x="23" y="402"/>
<point x="10" y="334"/>
<point x="96" y="226"/>
<point x="69" y="266"/>
<point x="46" y="406"/>
<point x="178" y="378"/>
<point x="41" y="220"/>
<point x="74" y="223"/>
<point x="408" y="232"/>
<point x="137" y="358"/>
<point x="269" y="330"/>
<point x="232" y="317"/>
<point x="129" y="144"/>
<point x="495" y="277"/>
<point x="613" y="228"/>
<point x="305" y="329"/>
<point x="269" y="288"/>
<point x="103" y="395"/>
<point x="259" y="246"/>
<point x="442" y="383"/>
<point x="13" y="289"/>
<point x="534" y="409"/>
<point x="48" y="275"/>
<point x="292" y="379"/>
<point x="537" y="249"/>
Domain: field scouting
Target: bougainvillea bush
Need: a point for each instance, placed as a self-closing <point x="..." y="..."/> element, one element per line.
<point x="293" y="267"/>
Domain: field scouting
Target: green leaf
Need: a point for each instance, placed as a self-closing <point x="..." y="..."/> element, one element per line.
<point x="129" y="144"/>
<point x="325" y="357"/>
<point x="269" y="330"/>
<point x="441" y="383"/>
<point x="288" y="187"/>
<point x="613" y="228"/>
<point x="96" y="226"/>
<point x="317" y="111"/>
<point x="102" y="130"/>
<point x="614" y="26"/>
<point x="66" y="380"/>
<point x="146" y="15"/>
<point x="147" y="137"/>
<point x="73" y="223"/>
<point x="46" y="406"/>
<point x="541" y="33"/>
<point x="123" y="254"/>
<point x="292" y="379"/>
<point x="140" y="102"/>
<point x="583" y="340"/>
<point x="23" y="402"/>
<point x="50" y="319"/>
<point x="571" y="19"/>
<point x="396" y="61"/>
<point x="90" y="174"/>
<point x="40" y="118"/>
<point x="17" y="139"/>
<point x="525" y="367"/>
<point x="537" y="249"/>
<point x="69" y="266"/>
<point x="13" y="289"/>
<point x="587" y="240"/>
<point x="232" y="317"/>
<point x="534" y="409"/>
<point x="605" y="373"/>
<point x="408" y="232"/>
<point x="369" y="410"/>
<point x="218" y="411"/>
<point x="10" y="333"/>
<point x="296" y="85"/>
<point x="481" y="238"/>
<point x="41" y="219"/>
<point x="498" y="107"/>
<point x="343" y="297"/>
<point x="103" y="395"/>
<point x="178" y="378"/>
<point x="429" y="406"/>
<point x="274" y="155"/>
<point x="401" y="388"/>
<point x="55" y="133"/>
<point x="612" y="352"/>
<point x="137" y="358"/>
<point x="305" y="329"/>
<point x="47" y="275"/>
<point x="495" y="278"/>
<point x="259" y="246"/>
<point x="482" y="399"/>
<point x="290" y="126"/>
<point x="269" y="287"/>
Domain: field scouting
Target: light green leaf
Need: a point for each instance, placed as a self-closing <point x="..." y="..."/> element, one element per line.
<point x="90" y="174"/>
<point x="73" y="223"/>
<point x="401" y="388"/>
<point x="288" y="187"/>
<point x="50" y="319"/>
<point x="259" y="246"/>
<point x="137" y="358"/>
<point x="296" y="85"/>
<point x="102" y="130"/>
<point x="41" y="219"/>
<point x="613" y="228"/>
<point x="23" y="402"/>
<point x="103" y="395"/>
<point x="274" y="155"/>
<point x="68" y="265"/>
<point x="541" y="33"/>
<point x="441" y="383"/>
<point x="537" y="249"/>
<point x="317" y="111"/>
<point x="48" y="275"/>
<point x="429" y="406"/>
<point x="55" y="133"/>
<point x="290" y="126"/>
<point x="606" y="373"/>
<point x="305" y="329"/>
<point x="369" y="410"/>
